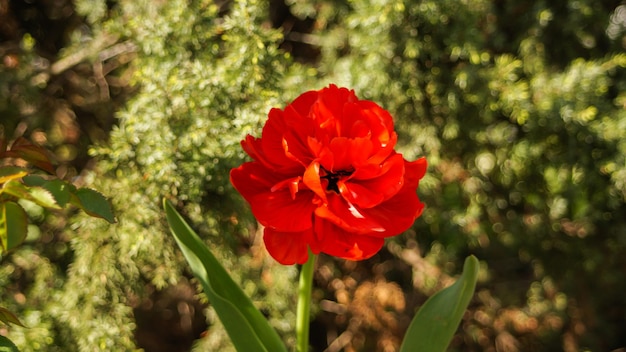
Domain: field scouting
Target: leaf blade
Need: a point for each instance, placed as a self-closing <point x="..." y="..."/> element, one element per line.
<point x="437" y="320"/>
<point x="37" y="195"/>
<point x="59" y="189"/>
<point x="93" y="203"/>
<point x="246" y="326"/>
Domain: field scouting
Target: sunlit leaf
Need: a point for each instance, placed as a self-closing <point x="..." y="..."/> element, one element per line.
<point x="246" y="326"/>
<point x="437" y="320"/>
<point x="16" y="189"/>
<point x="42" y="197"/>
<point x="59" y="189"/>
<point x="93" y="203"/>
<point x="37" y="195"/>
<point x="13" y="225"/>
<point x="7" y="317"/>
<point x="8" y="173"/>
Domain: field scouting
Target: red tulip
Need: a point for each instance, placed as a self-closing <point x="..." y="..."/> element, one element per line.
<point x="325" y="176"/>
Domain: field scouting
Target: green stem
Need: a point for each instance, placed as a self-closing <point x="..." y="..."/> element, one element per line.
<point x="304" y="304"/>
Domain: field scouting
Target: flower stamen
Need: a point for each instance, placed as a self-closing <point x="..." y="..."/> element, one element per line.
<point x="334" y="177"/>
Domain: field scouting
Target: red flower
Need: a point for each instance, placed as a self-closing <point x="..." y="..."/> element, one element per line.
<point x="326" y="176"/>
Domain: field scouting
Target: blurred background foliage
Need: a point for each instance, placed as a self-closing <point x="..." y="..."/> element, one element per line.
<point x="519" y="106"/>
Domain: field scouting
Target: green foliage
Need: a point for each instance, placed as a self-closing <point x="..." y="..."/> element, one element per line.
<point x="437" y="320"/>
<point x="518" y="107"/>
<point x="246" y="326"/>
<point x="18" y="185"/>
<point x="21" y="191"/>
<point x="178" y="136"/>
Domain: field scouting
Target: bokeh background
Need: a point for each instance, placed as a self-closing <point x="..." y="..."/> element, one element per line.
<point x="519" y="107"/>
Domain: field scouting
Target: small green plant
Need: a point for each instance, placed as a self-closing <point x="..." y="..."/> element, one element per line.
<point x="27" y="179"/>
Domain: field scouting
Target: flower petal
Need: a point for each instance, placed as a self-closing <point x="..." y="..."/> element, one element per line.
<point x="347" y="216"/>
<point x="303" y="103"/>
<point x="287" y="247"/>
<point x="273" y="144"/>
<point x="275" y="209"/>
<point x="347" y="245"/>
<point x="292" y="184"/>
<point x="299" y="129"/>
<point x="346" y="153"/>
<point x="414" y="172"/>
<point x="312" y="180"/>
<point x="369" y="186"/>
<point x="329" y="109"/>
<point x="279" y="211"/>
<point x="357" y="194"/>
<point x="397" y="213"/>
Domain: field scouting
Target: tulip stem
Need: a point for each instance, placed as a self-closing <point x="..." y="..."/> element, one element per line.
<point x="304" y="304"/>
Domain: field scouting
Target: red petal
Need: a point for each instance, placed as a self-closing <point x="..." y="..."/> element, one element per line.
<point x="312" y="180"/>
<point x="369" y="186"/>
<point x="329" y="109"/>
<point x="347" y="216"/>
<point x="287" y="247"/>
<point x="414" y="171"/>
<point x="295" y="139"/>
<point x="379" y="118"/>
<point x="397" y="213"/>
<point x="272" y="143"/>
<point x="359" y="195"/>
<point x="275" y="209"/>
<point x="343" y="244"/>
<point x="303" y="103"/>
<point x="279" y="211"/>
<point x="251" y="178"/>
<point x="347" y="153"/>
<point x="292" y="184"/>
<point x="385" y="150"/>
<point x="252" y="146"/>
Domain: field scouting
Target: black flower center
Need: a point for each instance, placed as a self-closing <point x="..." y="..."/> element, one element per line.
<point x="333" y="177"/>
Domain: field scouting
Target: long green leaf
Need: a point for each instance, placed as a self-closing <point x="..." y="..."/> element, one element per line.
<point x="247" y="327"/>
<point x="437" y="320"/>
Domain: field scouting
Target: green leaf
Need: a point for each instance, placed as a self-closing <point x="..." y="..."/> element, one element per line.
<point x="42" y="197"/>
<point x="437" y="320"/>
<point x="93" y="203"/>
<point x="7" y="317"/>
<point x="13" y="225"/>
<point x="7" y="345"/>
<point x="59" y="189"/>
<point x="246" y="326"/>
<point x="36" y="195"/>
